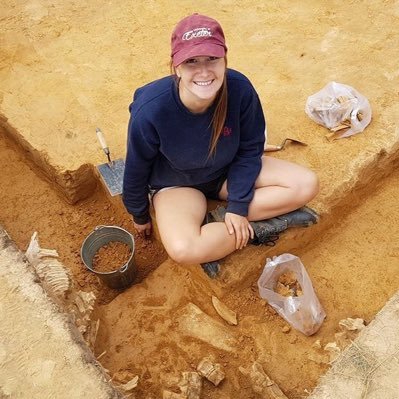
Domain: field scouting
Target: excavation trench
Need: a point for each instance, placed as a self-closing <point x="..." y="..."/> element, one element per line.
<point x="150" y="330"/>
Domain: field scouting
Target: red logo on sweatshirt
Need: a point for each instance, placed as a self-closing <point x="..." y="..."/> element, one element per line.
<point x="227" y="131"/>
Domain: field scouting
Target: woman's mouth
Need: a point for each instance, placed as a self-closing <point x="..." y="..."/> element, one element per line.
<point x="203" y="83"/>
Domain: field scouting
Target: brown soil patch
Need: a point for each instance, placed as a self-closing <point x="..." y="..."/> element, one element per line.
<point x="353" y="267"/>
<point x="30" y="204"/>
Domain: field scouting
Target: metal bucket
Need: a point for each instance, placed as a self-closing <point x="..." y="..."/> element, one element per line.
<point x="124" y="275"/>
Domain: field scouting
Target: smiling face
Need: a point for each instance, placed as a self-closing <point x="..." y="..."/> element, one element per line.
<point x="200" y="80"/>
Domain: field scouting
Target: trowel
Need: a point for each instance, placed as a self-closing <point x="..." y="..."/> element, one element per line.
<point x="112" y="171"/>
<point x="272" y="147"/>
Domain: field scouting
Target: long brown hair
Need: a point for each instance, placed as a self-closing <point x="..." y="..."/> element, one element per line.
<point x="220" y="113"/>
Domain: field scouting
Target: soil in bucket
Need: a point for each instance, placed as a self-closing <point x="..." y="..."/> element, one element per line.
<point x="111" y="257"/>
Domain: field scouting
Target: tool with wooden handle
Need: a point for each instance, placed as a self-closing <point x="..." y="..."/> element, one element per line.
<point x="111" y="172"/>
<point x="104" y="146"/>
<point x="273" y="147"/>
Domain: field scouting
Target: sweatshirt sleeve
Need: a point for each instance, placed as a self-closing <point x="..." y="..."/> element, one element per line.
<point x="142" y="148"/>
<point x="247" y="163"/>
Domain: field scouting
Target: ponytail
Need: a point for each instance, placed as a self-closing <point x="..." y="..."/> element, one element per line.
<point x="219" y="117"/>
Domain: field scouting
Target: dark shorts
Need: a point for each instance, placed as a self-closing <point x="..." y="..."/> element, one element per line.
<point x="210" y="189"/>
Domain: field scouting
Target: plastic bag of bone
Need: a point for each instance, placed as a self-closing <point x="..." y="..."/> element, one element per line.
<point x="340" y="108"/>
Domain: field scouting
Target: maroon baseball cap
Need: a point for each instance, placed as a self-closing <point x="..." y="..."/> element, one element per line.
<point x="197" y="35"/>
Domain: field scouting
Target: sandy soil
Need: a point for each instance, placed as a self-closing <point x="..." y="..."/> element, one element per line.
<point x="62" y="75"/>
<point x="353" y="267"/>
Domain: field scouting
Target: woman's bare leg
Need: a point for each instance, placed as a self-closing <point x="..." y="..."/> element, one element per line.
<point x="281" y="187"/>
<point x="179" y="213"/>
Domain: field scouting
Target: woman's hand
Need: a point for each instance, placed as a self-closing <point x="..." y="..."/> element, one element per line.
<point x="143" y="230"/>
<point x="239" y="226"/>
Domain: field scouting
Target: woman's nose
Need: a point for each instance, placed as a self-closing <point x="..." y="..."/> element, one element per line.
<point x="203" y="67"/>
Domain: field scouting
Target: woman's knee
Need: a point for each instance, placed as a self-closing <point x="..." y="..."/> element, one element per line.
<point x="181" y="251"/>
<point x="307" y="186"/>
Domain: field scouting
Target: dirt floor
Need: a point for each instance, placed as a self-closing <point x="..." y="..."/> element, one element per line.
<point x="62" y="76"/>
<point x="29" y="204"/>
<point x="353" y="267"/>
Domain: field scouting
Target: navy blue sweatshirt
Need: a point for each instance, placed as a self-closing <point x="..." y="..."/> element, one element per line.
<point x="168" y="145"/>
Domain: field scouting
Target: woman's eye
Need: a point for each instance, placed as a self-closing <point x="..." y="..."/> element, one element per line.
<point x="213" y="58"/>
<point x="190" y="61"/>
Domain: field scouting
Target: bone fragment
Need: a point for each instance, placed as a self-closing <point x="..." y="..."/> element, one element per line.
<point x="352" y="324"/>
<point x="332" y="136"/>
<point x="191" y="385"/>
<point x="211" y="371"/>
<point x="319" y="358"/>
<point x="34" y="252"/>
<point x="224" y="312"/>
<point x="130" y="384"/>
<point x="193" y="322"/>
<point x="339" y="127"/>
<point x="51" y="272"/>
<point x="261" y="382"/>
<point x="333" y="350"/>
<point x="92" y="335"/>
<point x="317" y="344"/>
<point x="101" y="355"/>
<point x="172" y="395"/>
<point x="342" y="99"/>
<point x="81" y="305"/>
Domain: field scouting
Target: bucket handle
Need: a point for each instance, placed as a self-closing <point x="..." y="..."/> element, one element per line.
<point x="123" y="268"/>
<point x="100" y="226"/>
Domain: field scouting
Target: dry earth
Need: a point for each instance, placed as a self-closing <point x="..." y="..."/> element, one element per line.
<point x="353" y="267"/>
<point x="289" y="50"/>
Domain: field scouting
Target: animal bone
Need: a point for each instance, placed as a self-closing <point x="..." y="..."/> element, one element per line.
<point x="261" y="382"/>
<point x="339" y="127"/>
<point x="50" y="271"/>
<point x="172" y="395"/>
<point x="92" y="335"/>
<point x="211" y="371"/>
<point x="191" y="385"/>
<point x="333" y="350"/>
<point x="130" y="384"/>
<point x="224" y="312"/>
<point x="193" y="322"/>
<point x="352" y="324"/>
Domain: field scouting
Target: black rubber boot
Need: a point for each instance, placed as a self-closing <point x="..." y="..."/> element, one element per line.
<point x="216" y="215"/>
<point x="267" y="231"/>
<point x="211" y="268"/>
<point x="302" y="217"/>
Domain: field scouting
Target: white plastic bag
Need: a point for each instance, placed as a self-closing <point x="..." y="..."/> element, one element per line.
<point x="303" y="312"/>
<point x="340" y="108"/>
